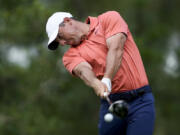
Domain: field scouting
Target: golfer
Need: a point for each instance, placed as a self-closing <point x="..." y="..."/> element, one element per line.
<point x="103" y="54"/>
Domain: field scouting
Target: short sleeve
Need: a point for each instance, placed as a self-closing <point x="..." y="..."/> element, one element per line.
<point x="71" y="59"/>
<point x="113" y="23"/>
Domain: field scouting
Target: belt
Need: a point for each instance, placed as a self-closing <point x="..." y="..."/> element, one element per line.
<point x="129" y="95"/>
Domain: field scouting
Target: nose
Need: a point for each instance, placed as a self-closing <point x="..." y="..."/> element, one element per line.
<point x="62" y="42"/>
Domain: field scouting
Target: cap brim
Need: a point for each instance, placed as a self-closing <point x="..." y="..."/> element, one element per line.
<point x="52" y="44"/>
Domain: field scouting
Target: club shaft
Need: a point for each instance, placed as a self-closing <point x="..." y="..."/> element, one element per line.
<point x="108" y="100"/>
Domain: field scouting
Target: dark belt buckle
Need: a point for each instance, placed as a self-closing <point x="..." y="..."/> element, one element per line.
<point x="133" y="95"/>
<point x="141" y="92"/>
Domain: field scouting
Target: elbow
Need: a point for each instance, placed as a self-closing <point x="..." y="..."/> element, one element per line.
<point x="118" y="53"/>
<point x="77" y="72"/>
<point x="80" y="72"/>
<point x="116" y="50"/>
<point x="81" y="69"/>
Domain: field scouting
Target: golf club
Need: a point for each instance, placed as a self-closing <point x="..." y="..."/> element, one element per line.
<point x="118" y="108"/>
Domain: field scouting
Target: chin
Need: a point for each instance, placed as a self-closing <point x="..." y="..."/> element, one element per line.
<point x="77" y="43"/>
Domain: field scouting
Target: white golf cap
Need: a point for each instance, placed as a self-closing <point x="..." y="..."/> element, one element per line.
<point x="52" y="27"/>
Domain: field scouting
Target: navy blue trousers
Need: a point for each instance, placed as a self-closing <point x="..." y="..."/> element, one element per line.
<point x="140" y="119"/>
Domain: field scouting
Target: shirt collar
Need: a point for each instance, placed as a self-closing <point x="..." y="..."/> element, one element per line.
<point x="93" y="21"/>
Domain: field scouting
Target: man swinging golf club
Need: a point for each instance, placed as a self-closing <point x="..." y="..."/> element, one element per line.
<point x="104" y="55"/>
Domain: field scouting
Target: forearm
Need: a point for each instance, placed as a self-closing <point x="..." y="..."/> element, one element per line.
<point x="88" y="76"/>
<point x="113" y="62"/>
<point x="85" y="72"/>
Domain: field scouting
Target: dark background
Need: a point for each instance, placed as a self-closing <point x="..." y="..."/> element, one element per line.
<point x="39" y="97"/>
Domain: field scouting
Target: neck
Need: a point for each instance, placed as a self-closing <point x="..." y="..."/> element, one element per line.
<point x="85" y="29"/>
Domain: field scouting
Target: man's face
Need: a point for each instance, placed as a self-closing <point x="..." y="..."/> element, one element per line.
<point x="69" y="33"/>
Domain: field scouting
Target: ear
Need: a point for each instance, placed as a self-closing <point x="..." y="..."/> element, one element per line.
<point x="67" y="19"/>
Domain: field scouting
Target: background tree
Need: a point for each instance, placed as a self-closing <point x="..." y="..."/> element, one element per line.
<point x="38" y="96"/>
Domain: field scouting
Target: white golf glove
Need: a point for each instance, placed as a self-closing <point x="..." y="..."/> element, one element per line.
<point x="107" y="82"/>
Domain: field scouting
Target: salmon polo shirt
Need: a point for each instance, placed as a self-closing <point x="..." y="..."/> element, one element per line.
<point x="131" y="74"/>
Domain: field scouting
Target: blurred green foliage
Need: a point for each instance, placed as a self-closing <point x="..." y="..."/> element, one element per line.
<point x="42" y="98"/>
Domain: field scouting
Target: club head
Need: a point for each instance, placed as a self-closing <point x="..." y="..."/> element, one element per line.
<point x="119" y="108"/>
